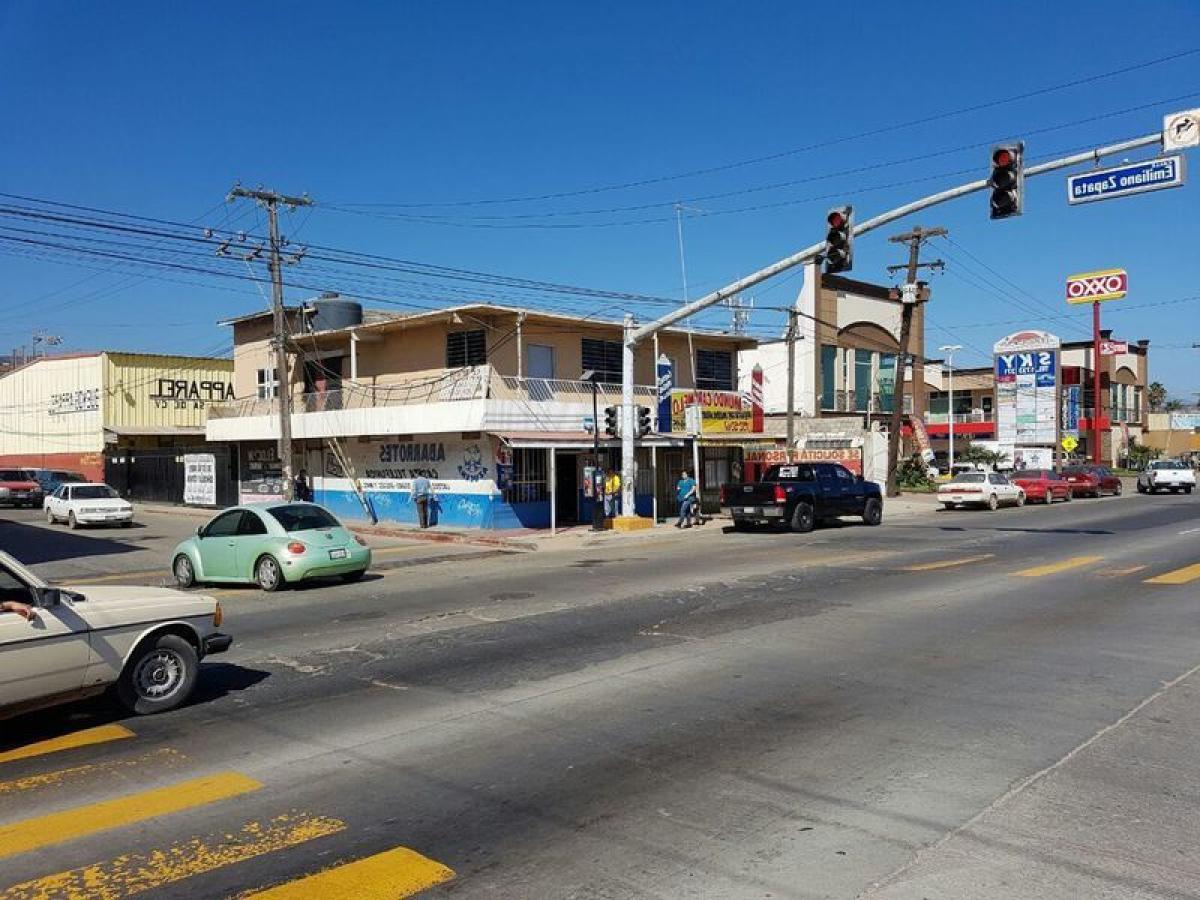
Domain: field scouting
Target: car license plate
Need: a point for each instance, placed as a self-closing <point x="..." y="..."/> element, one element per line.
<point x="749" y="510"/>
<point x="337" y="554"/>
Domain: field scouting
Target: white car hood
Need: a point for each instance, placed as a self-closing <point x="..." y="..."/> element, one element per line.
<point x="124" y="603"/>
<point x="103" y="503"/>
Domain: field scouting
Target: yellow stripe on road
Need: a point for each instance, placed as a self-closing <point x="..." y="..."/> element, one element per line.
<point x="89" y="736"/>
<point x="136" y="873"/>
<point x="1054" y="568"/>
<point x="55" y="828"/>
<point x="948" y="563"/>
<point x="1179" y="576"/>
<point x="397" y="873"/>
<point x="157" y="758"/>
<point x="1117" y="573"/>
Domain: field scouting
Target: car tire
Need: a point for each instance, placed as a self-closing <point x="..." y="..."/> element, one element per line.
<point x="1140" y="488"/>
<point x="267" y="573"/>
<point x="1020" y="499"/>
<point x="184" y="571"/>
<point x="993" y="502"/>
<point x="803" y="520"/>
<point x="1069" y="497"/>
<point x="948" y="506"/>
<point x="159" y="676"/>
<point x="50" y="520"/>
<point x="72" y="522"/>
<point x="873" y="512"/>
<point x="1187" y="490"/>
<point x="1120" y="489"/>
<point x="351" y="577"/>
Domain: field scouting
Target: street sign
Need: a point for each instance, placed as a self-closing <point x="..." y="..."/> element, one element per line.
<point x="1069" y="443"/>
<point x="1113" y="348"/>
<point x="1181" y="130"/>
<point x="1092" y="287"/>
<point x="1123" y="181"/>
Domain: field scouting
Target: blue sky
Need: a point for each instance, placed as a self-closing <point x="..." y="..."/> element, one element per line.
<point x="157" y="109"/>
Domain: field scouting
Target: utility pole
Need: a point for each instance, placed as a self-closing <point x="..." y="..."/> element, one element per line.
<point x="791" y="385"/>
<point x="949" y="350"/>
<point x="283" y="380"/>
<point x="910" y="296"/>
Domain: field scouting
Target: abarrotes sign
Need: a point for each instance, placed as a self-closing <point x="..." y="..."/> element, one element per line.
<point x="1123" y="181"/>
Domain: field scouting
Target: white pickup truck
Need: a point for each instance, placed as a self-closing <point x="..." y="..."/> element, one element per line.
<point x="1166" y="475"/>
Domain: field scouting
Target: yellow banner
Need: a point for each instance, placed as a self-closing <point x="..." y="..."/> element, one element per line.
<point x="722" y="412"/>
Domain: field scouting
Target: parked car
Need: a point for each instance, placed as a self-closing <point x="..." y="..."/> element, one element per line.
<point x="1043" y="485"/>
<point x="961" y="467"/>
<point x="50" y="479"/>
<point x="989" y="489"/>
<point x="802" y="494"/>
<point x="18" y="489"/>
<point x="88" y="504"/>
<point x="271" y="544"/>
<point x="1166" y="475"/>
<point x="1092" y="481"/>
<point x="143" y="643"/>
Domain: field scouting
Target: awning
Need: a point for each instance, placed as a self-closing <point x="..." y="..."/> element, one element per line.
<point x="112" y="432"/>
<point x="577" y="440"/>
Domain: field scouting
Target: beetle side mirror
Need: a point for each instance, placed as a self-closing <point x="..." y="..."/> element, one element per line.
<point x="200" y="531"/>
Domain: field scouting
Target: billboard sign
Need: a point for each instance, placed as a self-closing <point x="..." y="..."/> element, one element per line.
<point x="1113" y="348"/>
<point x="1027" y="406"/>
<point x="1095" y="287"/>
<point x="1126" y="180"/>
<point x="199" y="479"/>
<point x="722" y="412"/>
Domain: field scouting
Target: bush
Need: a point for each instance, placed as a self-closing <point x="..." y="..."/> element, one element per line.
<point x="913" y="473"/>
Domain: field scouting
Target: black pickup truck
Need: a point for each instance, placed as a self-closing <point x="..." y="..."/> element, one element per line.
<point x="801" y="494"/>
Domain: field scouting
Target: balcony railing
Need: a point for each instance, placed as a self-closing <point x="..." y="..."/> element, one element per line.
<point x="474" y="383"/>
<point x="975" y="415"/>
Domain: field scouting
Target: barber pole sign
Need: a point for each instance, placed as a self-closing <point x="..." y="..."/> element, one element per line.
<point x="756" y="399"/>
<point x="1094" y="287"/>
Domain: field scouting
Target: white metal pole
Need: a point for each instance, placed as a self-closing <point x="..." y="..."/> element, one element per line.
<point x="553" y="489"/>
<point x="950" y="350"/>
<point x="654" y="481"/>
<point x="627" y="420"/>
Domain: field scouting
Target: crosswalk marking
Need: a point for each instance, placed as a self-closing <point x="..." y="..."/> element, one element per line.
<point x="156" y="758"/>
<point x="136" y="873"/>
<point x="386" y="876"/>
<point x="1073" y="562"/>
<point x="55" y="828"/>
<point x="1179" y="576"/>
<point x="948" y="563"/>
<point x="85" y="738"/>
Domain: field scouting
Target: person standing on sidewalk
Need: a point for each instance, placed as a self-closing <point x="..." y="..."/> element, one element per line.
<point x="685" y="493"/>
<point x="612" y="494"/>
<point x="301" y="490"/>
<point x="422" y="494"/>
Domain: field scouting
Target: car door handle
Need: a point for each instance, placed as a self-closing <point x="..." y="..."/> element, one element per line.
<point x="232" y="543"/>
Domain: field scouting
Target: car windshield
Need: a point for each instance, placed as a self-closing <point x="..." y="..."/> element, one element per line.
<point x="94" y="492"/>
<point x="1167" y="464"/>
<point x="302" y="517"/>
<point x="12" y="475"/>
<point x="1077" y="470"/>
<point x="1033" y="474"/>
<point x="970" y="478"/>
<point x="68" y="477"/>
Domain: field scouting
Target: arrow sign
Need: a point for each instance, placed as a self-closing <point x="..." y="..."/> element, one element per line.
<point x="1123" y="181"/>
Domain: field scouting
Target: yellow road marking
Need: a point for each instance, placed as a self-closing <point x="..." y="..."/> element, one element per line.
<point x="947" y="563"/>
<point x="136" y="873"/>
<point x="165" y="756"/>
<point x="98" y="735"/>
<point x="55" y="828"/>
<point x="1117" y="573"/>
<point x="1073" y="562"/>
<point x="386" y="876"/>
<point x="1179" y="576"/>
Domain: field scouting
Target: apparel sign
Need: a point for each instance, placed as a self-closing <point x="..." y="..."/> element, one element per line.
<point x="199" y="479"/>
<point x="1095" y="287"/>
<point x="182" y="391"/>
<point x="724" y="412"/>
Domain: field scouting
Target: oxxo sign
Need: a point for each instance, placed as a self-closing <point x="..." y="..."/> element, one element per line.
<point x="1094" y="287"/>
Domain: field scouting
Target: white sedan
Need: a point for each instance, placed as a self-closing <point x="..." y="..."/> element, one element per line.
<point x="88" y="504"/>
<point x="988" y="489"/>
<point x="63" y="643"/>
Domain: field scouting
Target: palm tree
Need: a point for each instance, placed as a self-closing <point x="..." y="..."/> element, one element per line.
<point x="1156" y="396"/>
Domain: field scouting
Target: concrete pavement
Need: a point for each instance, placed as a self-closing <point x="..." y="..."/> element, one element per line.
<point x="953" y="703"/>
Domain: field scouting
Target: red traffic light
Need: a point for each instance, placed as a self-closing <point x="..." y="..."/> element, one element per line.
<point x="836" y="219"/>
<point x="1003" y="157"/>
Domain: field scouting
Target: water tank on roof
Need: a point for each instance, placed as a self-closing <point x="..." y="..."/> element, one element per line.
<point x="331" y="311"/>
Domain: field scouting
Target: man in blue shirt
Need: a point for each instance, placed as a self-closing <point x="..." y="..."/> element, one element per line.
<point x="422" y="492"/>
<point x="685" y="493"/>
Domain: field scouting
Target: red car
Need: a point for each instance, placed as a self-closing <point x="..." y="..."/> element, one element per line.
<point x="1092" y="481"/>
<point x="1042" y="485"/>
<point x="17" y="489"/>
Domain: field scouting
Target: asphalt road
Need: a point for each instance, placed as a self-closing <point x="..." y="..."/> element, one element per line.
<point x="957" y="705"/>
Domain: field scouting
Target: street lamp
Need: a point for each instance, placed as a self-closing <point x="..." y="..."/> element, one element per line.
<point x="589" y="375"/>
<point x="949" y="350"/>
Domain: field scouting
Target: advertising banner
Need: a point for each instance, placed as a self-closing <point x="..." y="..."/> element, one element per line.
<point x="1027" y="403"/>
<point x="199" y="479"/>
<point x="921" y="436"/>
<point x="724" y="412"/>
<point x="665" y="380"/>
<point x="766" y="455"/>
<point x="1070" y="422"/>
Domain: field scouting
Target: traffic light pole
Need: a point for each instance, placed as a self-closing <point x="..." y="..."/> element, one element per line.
<point x="1096" y="384"/>
<point x="597" y="502"/>
<point x="633" y="336"/>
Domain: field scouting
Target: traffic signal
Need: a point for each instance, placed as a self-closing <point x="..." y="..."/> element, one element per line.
<point x="610" y="420"/>
<point x="839" y="241"/>
<point x="643" y="421"/>
<point x="1007" y="180"/>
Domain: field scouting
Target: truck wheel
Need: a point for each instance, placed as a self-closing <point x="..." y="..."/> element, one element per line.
<point x="72" y="522"/>
<point x="1187" y="489"/>
<point x="159" y="676"/>
<point x="49" y="516"/>
<point x="948" y="506"/>
<point x="873" y="512"/>
<point x="802" y="518"/>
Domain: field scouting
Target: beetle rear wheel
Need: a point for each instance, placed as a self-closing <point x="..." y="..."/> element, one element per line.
<point x="268" y="574"/>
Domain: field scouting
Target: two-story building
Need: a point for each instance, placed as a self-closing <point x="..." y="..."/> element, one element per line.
<point x="486" y="401"/>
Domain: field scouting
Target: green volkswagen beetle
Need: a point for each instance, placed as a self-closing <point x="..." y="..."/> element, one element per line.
<point x="271" y="544"/>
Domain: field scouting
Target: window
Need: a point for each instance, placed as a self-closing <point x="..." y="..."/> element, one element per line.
<point x="714" y="370"/>
<point x="95" y="492"/>
<point x="603" y="358"/>
<point x="251" y="524"/>
<point x="828" y="376"/>
<point x="13" y="589"/>
<point x="224" y="525"/>
<point x="843" y="474"/>
<point x="862" y="380"/>
<point x="466" y="348"/>
<point x="302" y="517"/>
<point x="541" y="361"/>
<point x="887" y="381"/>
<point x="528" y="483"/>
<point x="268" y="383"/>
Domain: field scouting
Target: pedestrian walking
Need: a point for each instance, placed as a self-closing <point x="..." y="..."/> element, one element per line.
<point x="422" y="496"/>
<point x="612" y="494"/>
<point x="685" y="493"/>
<point x="301" y="490"/>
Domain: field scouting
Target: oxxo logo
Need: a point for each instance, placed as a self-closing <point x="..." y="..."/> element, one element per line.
<point x="1092" y="287"/>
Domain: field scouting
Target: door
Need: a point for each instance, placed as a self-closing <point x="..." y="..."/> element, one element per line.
<point x="831" y="497"/>
<point x="566" y="488"/>
<point x="218" y="545"/>
<point x="250" y="535"/>
<point x="852" y="494"/>
<point x="42" y="656"/>
<point x="57" y="502"/>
